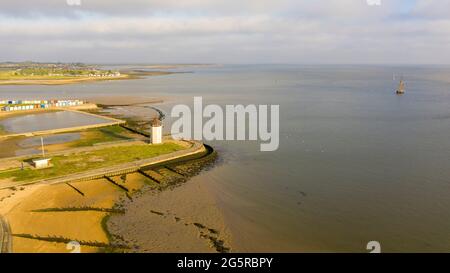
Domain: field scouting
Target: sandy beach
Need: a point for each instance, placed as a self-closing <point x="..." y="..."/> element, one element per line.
<point x="124" y="100"/>
<point x="25" y="207"/>
<point x="181" y="219"/>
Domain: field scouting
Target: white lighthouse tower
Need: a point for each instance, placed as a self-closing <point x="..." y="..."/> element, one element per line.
<point x="156" y="136"/>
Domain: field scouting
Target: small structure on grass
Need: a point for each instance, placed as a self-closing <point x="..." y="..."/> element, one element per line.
<point x="41" y="163"/>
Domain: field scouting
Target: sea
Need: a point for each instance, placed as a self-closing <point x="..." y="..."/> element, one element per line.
<point x="356" y="163"/>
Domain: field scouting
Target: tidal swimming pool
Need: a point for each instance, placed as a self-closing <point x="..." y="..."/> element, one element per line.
<point x="48" y="121"/>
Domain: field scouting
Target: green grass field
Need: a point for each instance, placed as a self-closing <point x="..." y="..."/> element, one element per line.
<point x="65" y="165"/>
<point x="2" y="130"/>
<point x="106" y="134"/>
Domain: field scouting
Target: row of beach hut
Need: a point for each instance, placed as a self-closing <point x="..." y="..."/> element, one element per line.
<point x="21" y="105"/>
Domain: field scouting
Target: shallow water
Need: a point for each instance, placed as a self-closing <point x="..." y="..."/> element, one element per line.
<point x="50" y="139"/>
<point x="356" y="162"/>
<point x="47" y="121"/>
<point x="20" y="146"/>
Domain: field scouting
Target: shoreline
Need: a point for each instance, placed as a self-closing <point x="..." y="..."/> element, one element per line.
<point x="183" y="218"/>
<point x="61" y="81"/>
<point x="128" y="75"/>
<point x="31" y="209"/>
<point x="42" y="215"/>
<point x="45" y="217"/>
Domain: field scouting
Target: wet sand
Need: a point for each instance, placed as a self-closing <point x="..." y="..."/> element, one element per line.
<point x="124" y="100"/>
<point x="25" y="207"/>
<point x="184" y="219"/>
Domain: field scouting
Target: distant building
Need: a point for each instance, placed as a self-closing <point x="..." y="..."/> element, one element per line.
<point x="156" y="136"/>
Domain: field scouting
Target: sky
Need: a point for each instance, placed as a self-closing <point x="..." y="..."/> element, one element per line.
<point x="226" y="31"/>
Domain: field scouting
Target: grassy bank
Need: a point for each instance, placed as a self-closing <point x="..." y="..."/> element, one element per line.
<point x="75" y="163"/>
<point x="2" y="130"/>
<point x="88" y="138"/>
<point x="96" y="136"/>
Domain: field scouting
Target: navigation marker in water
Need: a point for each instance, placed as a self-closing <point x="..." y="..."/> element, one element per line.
<point x="401" y="87"/>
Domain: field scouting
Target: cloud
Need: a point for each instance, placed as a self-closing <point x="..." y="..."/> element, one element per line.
<point x="431" y="9"/>
<point x="286" y="31"/>
<point x="60" y="8"/>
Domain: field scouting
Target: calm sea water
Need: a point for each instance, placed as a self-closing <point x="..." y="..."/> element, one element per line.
<point x="356" y="162"/>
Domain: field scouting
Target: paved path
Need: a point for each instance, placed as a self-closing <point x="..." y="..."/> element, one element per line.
<point x="5" y="236"/>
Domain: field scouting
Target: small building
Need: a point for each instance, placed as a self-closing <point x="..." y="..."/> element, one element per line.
<point x="156" y="136"/>
<point x="41" y="163"/>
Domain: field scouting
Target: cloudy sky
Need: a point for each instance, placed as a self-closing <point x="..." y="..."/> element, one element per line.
<point x="226" y="31"/>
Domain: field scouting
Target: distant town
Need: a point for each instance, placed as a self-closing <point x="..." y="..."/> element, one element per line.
<point x="53" y="73"/>
<point x="55" y="69"/>
<point x="34" y="73"/>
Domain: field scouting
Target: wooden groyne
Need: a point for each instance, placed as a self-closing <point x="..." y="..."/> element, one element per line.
<point x="5" y="236"/>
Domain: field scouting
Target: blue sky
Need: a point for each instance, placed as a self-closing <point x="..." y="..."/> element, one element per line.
<point x="407" y="5"/>
<point x="226" y="31"/>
